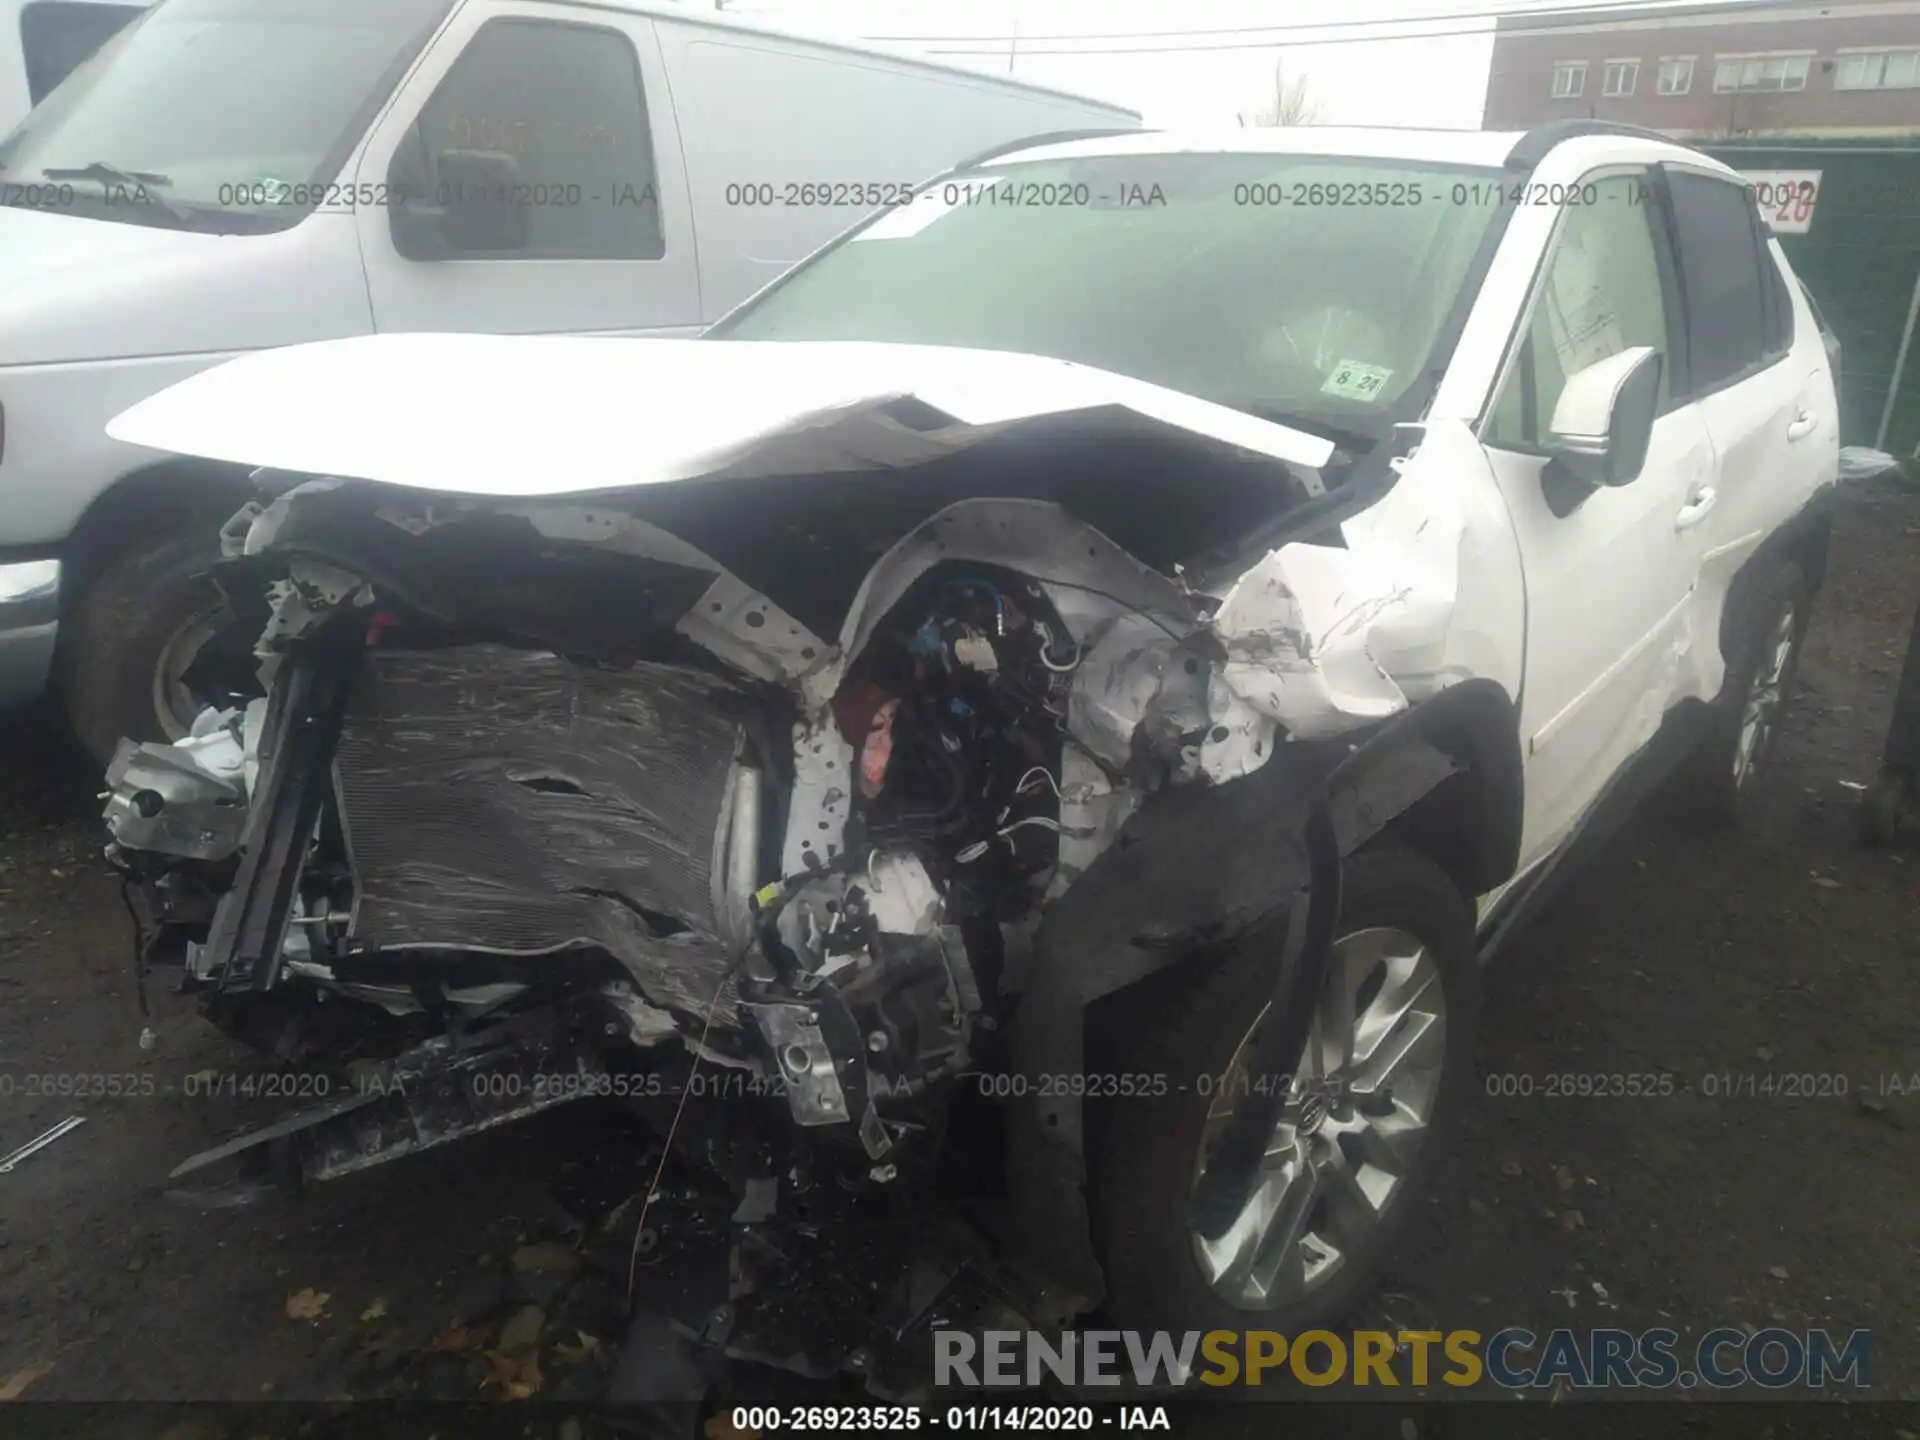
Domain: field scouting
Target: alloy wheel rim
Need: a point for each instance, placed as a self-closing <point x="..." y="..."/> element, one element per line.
<point x="1760" y="713"/>
<point x="1355" y="1118"/>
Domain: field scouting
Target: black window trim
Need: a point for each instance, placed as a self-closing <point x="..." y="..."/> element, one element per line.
<point x="136" y="10"/>
<point x="1768" y="359"/>
<point x="1520" y="340"/>
<point x="414" y="134"/>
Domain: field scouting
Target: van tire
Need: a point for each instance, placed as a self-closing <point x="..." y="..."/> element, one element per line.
<point x="140" y="606"/>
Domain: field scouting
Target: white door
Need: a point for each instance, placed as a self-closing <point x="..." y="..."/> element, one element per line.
<point x="574" y="102"/>
<point x="1606" y="590"/>
<point x="1756" y="364"/>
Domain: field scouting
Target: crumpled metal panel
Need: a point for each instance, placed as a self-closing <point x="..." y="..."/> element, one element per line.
<point x="187" y="798"/>
<point x="512" y="802"/>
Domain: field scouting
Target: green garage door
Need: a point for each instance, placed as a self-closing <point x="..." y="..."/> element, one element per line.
<point x="1859" y="254"/>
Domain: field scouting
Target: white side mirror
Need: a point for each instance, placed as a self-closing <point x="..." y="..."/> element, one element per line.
<point x="1604" y="418"/>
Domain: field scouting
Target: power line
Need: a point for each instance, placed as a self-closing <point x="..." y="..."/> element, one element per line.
<point x="1581" y="9"/>
<point x="1027" y="52"/>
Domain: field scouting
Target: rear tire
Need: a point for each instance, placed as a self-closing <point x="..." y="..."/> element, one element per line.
<point x="1743" y="730"/>
<point x="1152" y="1147"/>
<point x="129" y="640"/>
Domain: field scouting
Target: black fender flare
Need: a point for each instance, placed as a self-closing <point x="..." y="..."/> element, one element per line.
<point x="1199" y="867"/>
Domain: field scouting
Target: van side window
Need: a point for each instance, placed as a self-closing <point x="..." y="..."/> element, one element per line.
<point x="56" y="35"/>
<point x="1715" y="225"/>
<point x="1602" y="294"/>
<point x="565" y="102"/>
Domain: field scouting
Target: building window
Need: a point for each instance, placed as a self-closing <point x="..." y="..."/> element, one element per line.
<point x="1676" y="75"/>
<point x="1621" y="77"/>
<point x="1740" y="73"/>
<point x="1569" y="79"/>
<point x="1878" y="70"/>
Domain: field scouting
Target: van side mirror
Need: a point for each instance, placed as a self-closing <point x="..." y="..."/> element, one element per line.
<point x="467" y="202"/>
<point x="1603" y="421"/>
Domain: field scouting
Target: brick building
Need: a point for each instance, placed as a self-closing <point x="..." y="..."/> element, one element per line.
<point x="1737" y="70"/>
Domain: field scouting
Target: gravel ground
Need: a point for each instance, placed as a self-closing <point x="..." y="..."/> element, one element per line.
<point x="1783" y="952"/>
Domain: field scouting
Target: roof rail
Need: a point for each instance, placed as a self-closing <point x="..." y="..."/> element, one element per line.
<point x="1531" y="148"/>
<point x="1049" y="137"/>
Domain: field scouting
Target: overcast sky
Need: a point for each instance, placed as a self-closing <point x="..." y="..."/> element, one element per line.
<point x="1433" y="72"/>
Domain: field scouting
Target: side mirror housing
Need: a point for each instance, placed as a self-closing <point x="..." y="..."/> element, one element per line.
<point x="466" y="202"/>
<point x="1604" y="419"/>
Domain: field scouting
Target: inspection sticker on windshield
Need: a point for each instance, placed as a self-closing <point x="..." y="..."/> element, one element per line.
<point x="1356" y="380"/>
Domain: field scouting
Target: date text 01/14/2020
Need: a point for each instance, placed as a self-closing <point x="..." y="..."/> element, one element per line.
<point x="1403" y="194"/>
<point x="958" y="1419"/>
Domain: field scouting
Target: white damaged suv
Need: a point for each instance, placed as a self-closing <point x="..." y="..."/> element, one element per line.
<point x="1122" y="637"/>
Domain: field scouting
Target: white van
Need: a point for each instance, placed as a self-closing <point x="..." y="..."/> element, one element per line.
<point x="43" y="41"/>
<point x="231" y="175"/>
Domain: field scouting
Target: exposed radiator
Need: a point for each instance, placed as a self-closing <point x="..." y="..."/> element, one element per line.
<point x="509" y="801"/>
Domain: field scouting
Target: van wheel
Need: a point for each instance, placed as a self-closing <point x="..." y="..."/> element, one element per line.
<point x="130" y="647"/>
<point x="1384" y="1071"/>
<point x="1743" y="730"/>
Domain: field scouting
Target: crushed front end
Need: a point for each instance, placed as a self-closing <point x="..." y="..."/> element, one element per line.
<point x="803" y="811"/>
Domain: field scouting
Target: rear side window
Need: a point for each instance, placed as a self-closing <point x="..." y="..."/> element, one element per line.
<point x="1727" y="296"/>
<point x="56" y="35"/>
<point x="565" y="102"/>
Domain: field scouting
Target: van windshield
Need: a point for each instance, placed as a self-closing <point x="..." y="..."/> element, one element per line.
<point x="1302" y="288"/>
<point x="217" y="115"/>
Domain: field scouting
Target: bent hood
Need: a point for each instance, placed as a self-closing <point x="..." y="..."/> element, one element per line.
<point x="528" y="416"/>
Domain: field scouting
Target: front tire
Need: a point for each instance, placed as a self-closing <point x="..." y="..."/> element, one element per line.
<point x="1356" y="1141"/>
<point x="133" y="637"/>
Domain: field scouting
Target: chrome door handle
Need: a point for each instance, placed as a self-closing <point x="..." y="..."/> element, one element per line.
<point x="1801" y="426"/>
<point x="1696" y="508"/>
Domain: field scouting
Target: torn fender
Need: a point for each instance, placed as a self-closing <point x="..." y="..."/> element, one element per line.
<point x="1426" y="591"/>
<point x="1201" y="867"/>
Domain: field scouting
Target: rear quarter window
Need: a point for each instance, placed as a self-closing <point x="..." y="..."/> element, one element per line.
<point x="1730" y="304"/>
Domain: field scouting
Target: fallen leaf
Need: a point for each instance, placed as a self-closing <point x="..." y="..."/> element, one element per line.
<point x="1572" y="1220"/>
<point x="588" y="1347"/>
<point x="1826" y="882"/>
<point x="376" y="1310"/>
<point x="522" y="1330"/>
<point x="456" y="1338"/>
<point x="15" y="1385"/>
<point x="307" y="1304"/>
<point x="1763" y="1052"/>
<point x="1779" y="1272"/>
<point x="721" y="1427"/>
<point x="518" y="1376"/>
